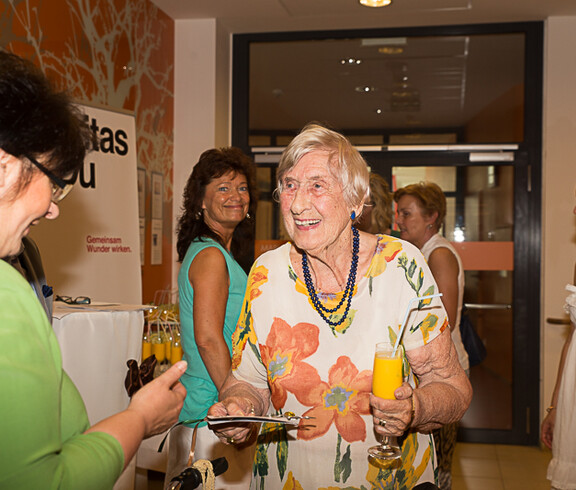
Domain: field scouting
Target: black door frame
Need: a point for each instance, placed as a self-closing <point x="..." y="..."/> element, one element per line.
<point x="527" y="199"/>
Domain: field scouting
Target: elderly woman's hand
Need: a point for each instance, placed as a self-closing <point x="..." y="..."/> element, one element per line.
<point x="393" y="417"/>
<point x="237" y="433"/>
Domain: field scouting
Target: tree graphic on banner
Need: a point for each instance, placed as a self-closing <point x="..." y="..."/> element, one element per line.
<point x="108" y="53"/>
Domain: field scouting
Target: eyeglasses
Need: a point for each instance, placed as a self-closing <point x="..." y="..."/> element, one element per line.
<point x="60" y="187"/>
<point x="80" y="300"/>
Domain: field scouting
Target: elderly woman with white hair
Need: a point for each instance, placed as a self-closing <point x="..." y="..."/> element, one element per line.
<point x="313" y="310"/>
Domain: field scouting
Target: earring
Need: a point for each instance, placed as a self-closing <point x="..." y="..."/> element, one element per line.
<point x="248" y="216"/>
<point x="353" y="215"/>
<point x="198" y="216"/>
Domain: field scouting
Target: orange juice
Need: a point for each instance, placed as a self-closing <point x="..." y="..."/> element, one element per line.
<point x="159" y="350"/>
<point x="146" y="350"/>
<point x="387" y="375"/>
<point x="176" y="353"/>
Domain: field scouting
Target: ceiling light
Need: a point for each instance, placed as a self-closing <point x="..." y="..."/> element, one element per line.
<point x="350" y="61"/>
<point x="364" y="89"/>
<point x="375" y="3"/>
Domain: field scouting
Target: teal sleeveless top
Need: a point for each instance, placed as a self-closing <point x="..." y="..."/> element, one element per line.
<point x="202" y="393"/>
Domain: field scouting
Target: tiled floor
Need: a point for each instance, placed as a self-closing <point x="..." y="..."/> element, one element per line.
<point x="482" y="467"/>
<point x="499" y="467"/>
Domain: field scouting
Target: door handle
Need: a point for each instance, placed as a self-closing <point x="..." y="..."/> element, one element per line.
<point x="485" y="306"/>
<point x="558" y="321"/>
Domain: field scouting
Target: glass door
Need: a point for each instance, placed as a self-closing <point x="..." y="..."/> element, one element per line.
<point x="482" y="222"/>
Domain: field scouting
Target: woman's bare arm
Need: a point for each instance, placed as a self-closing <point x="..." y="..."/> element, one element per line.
<point x="152" y="410"/>
<point x="444" y="268"/>
<point x="208" y="275"/>
<point x="444" y="393"/>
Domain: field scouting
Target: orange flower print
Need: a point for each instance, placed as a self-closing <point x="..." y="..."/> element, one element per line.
<point x="282" y="354"/>
<point x="342" y="401"/>
<point x="386" y="250"/>
<point x="258" y="276"/>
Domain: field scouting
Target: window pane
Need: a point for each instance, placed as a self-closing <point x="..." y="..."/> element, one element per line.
<point x="391" y="90"/>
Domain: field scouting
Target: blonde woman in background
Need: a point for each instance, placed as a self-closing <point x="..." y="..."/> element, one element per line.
<point x="421" y="212"/>
<point x="377" y="214"/>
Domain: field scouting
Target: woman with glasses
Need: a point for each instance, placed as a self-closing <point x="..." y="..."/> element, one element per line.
<point x="47" y="441"/>
<point x="214" y="230"/>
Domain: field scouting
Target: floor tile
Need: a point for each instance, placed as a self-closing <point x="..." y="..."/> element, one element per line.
<point x="464" y="449"/>
<point x="479" y="467"/>
<point x="476" y="483"/>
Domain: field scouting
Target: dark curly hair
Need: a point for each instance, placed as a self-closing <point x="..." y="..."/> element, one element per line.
<point x="37" y="120"/>
<point x="212" y="164"/>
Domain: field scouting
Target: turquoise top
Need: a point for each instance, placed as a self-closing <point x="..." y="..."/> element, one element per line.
<point x="202" y="393"/>
<point x="42" y="416"/>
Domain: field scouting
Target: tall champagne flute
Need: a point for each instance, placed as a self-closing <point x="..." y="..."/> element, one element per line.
<point x="386" y="377"/>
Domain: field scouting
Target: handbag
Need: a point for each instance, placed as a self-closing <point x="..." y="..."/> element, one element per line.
<point x="472" y="342"/>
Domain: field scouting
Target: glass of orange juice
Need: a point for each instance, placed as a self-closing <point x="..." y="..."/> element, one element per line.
<point x="386" y="377"/>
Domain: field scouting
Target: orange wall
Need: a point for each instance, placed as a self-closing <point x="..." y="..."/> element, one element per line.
<point x="115" y="54"/>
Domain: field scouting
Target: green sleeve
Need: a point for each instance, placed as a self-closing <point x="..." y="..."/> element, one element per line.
<point x="42" y="416"/>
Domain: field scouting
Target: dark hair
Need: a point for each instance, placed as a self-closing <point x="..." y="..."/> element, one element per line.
<point x="212" y="164"/>
<point x="430" y="196"/>
<point x="37" y="120"/>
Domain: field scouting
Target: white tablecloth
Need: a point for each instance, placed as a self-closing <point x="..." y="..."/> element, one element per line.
<point x="95" y="346"/>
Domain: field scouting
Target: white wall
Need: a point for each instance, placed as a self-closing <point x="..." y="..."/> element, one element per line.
<point x="201" y="101"/>
<point x="559" y="181"/>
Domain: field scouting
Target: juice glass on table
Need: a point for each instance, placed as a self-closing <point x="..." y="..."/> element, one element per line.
<point x="386" y="377"/>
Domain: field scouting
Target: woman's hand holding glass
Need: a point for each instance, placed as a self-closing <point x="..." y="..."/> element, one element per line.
<point x="389" y="418"/>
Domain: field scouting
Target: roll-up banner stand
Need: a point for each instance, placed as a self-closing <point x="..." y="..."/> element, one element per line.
<point x="93" y="248"/>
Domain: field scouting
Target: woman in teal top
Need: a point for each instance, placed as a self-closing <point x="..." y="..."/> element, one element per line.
<point x="214" y="230"/>
<point x="46" y="440"/>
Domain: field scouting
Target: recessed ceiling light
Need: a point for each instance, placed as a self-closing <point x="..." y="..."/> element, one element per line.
<point x="364" y="89"/>
<point x="375" y="3"/>
<point x="350" y="61"/>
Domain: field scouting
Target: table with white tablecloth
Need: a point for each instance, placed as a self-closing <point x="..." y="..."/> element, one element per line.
<point x="96" y="341"/>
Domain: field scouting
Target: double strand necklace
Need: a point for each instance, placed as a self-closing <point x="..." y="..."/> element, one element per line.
<point x="347" y="296"/>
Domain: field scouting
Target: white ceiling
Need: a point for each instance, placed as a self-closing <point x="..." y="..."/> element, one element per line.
<point x="439" y="72"/>
<point x="301" y="15"/>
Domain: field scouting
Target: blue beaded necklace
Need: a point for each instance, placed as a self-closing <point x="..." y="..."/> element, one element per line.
<point x="347" y="296"/>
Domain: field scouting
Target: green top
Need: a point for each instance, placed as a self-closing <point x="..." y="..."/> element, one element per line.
<point x="42" y="416"/>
